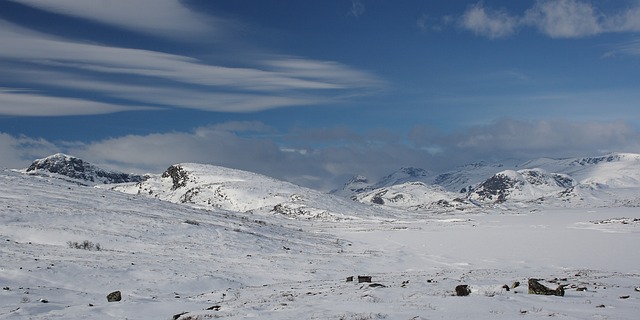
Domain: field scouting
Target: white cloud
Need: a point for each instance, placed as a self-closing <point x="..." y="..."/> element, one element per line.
<point x="19" y="152"/>
<point x="554" y="18"/>
<point x="357" y="8"/>
<point x="547" y="138"/>
<point x="565" y="18"/>
<point x="489" y="23"/>
<point x="159" y="17"/>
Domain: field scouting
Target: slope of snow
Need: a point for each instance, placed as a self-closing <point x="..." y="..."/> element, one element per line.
<point x="168" y="259"/>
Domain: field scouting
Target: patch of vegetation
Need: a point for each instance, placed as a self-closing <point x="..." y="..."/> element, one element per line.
<point x="84" y="245"/>
<point x="192" y="222"/>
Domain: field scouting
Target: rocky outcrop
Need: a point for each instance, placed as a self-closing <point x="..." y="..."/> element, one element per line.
<point x="178" y="175"/>
<point x="536" y="287"/>
<point x="498" y="187"/>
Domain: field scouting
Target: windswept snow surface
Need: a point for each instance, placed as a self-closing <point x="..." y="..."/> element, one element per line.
<point x="169" y="259"/>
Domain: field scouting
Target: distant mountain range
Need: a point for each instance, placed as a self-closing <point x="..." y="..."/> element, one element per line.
<point x="611" y="180"/>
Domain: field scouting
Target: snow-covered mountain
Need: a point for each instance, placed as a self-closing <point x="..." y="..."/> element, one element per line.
<point x="522" y="185"/>
<point x="611" y="180"/>
<point x="464" y="178"/>
<point x="209" y="186"/>
<point x="618" y="170"/>
<point x="65" y="166"/>
<point x="360" y="184"/>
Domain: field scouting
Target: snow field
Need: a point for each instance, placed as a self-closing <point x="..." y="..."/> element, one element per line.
<point x="168" y="259"/>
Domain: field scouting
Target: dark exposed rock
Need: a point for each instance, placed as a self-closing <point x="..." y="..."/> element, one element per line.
<point x="377" y="285"/>
<point x="177" y="316"/>
<point x="114" y="296"/>
<point x="377" y="199"/>
<point x="497" y="187"/>
<point x="515" y="284"/>
<point x="536" y="287"/>
<point x="462" y="290"/>
<point x="178" y="175"/>
<point x="596" y="160"/>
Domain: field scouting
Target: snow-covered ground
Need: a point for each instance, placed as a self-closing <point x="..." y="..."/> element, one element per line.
<point x="168" y="259"/>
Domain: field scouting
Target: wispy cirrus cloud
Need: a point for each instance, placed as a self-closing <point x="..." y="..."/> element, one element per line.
<point x="170" y="18"/>
<point x="25" y="103"/>
<point x="170" y="80"/>
<point x="631" y="48"/>
<point x="556" y="19"/>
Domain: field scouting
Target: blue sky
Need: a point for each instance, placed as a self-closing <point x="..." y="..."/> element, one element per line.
<point x="316" y="91"/>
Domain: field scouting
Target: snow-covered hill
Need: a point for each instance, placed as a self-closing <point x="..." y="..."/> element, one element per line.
<point x="208" y="186"/>
<point x="416" y="196"/>
<point x="360" y="184"/>
<point x="68" y="167"/>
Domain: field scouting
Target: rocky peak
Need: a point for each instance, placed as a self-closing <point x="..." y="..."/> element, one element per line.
<point x="75" y="168"/>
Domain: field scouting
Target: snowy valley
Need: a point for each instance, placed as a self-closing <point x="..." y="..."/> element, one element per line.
<point x="203" y="242"/>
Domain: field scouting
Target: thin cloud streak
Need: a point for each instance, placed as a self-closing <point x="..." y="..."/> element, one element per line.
<point x="18" y="103"/>
<point x="136" y="16"/>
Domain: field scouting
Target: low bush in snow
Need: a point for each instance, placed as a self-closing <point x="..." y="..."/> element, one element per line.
<point x="84" y="245"/>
